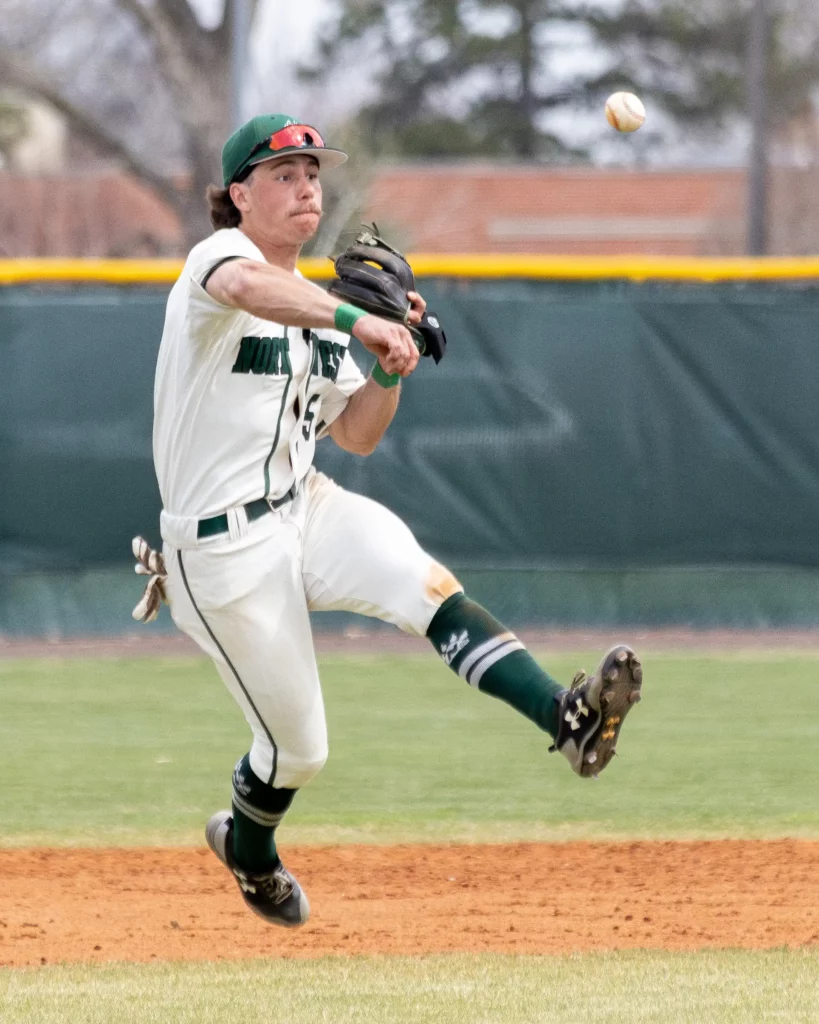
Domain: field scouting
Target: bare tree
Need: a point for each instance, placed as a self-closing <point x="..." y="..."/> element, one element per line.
<point x="141" y="82"/>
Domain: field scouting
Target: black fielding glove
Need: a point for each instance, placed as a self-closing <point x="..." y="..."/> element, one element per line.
<point x="374" y="276"/>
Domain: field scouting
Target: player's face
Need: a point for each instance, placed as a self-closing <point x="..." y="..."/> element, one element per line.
<point x="284" y="200"/>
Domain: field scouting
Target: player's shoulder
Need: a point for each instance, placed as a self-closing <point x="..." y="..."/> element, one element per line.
<point x="224" y="242"/>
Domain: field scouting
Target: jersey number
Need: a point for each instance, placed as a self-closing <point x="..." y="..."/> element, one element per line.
<point x="309" y="416"/>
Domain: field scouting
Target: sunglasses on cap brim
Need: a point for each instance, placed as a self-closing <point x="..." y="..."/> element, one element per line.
<point x="294" y="136"/>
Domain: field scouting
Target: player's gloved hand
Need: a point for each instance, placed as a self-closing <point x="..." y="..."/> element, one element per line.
<point x="374" y="276"/>
<point x="149" y="563"/>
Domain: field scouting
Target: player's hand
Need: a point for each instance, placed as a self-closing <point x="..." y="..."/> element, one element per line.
<point x="419" y="306"/>
<point x="391" y="343"/>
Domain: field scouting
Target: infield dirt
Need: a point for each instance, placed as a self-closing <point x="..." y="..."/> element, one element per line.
<point x="64" y="905"/>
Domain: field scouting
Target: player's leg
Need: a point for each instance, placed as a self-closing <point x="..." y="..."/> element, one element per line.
<point x="243" y="602"/>
<point x="488" y="656"/>
<point x="584" y="720"/>
<point x="361" y="557"/>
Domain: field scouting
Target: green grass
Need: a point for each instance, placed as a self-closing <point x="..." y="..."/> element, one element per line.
<point x="140" y="751"/>
<point x="721" y="987"/>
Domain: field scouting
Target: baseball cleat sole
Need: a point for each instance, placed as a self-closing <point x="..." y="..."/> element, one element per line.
<point x="618" y="684"/>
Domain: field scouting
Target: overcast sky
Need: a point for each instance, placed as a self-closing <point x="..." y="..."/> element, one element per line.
<point x="285" y="35"/>
<point x="282" y="36"/>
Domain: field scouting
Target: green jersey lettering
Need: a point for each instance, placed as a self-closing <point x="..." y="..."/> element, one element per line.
<point x="268" y="356"/>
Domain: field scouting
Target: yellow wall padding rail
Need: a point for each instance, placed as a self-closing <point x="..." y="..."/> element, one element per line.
<point x="565" y="268"/>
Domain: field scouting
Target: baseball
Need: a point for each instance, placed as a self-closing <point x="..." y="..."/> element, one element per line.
<point x="625" y="111"/>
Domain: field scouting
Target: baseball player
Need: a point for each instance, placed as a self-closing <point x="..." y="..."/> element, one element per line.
<point x="253" y="369"/>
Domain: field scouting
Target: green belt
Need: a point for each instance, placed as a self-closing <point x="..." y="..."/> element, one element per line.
<point x="254" y="510"/>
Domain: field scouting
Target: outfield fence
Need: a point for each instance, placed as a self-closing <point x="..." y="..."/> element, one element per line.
<point x="609" y="440"/>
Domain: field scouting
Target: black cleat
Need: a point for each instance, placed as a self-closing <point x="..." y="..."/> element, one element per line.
<point x="275" y="895"/>
<point x="592" y="711"/>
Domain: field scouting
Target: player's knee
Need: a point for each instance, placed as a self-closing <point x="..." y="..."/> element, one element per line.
<point x="440" y="584"/>
<point x="301" y="767"/>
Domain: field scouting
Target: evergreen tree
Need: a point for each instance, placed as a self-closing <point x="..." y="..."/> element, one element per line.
<point x="468" y="77"/>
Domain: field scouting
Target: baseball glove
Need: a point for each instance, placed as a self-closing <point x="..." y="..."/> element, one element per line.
<point x="374" y="276"/>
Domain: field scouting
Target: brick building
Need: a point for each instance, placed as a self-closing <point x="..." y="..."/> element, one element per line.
<point x="449" y="208"/>
<point x="95" y="215"/>
<point x="481" y="208"/>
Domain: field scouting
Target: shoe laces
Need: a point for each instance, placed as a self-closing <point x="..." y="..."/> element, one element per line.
<point x="277" y="886"/>
<point x="577" y="682"/>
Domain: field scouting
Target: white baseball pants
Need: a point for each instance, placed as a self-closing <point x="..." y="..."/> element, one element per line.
<point x="244" y="598"/>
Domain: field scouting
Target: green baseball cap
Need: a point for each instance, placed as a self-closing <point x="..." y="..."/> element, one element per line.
<point x="271" y="137"/>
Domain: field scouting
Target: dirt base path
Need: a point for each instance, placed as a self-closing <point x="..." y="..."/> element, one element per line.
<point x="163" y="904"/>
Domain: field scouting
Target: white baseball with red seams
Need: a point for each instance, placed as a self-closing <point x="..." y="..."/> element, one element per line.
<point x="625" y="111"/>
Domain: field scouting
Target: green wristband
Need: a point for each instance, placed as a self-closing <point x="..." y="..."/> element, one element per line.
<point x="384" y="379"/>
<point x="346" y="316"/>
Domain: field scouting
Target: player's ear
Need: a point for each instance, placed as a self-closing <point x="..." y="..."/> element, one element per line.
<point x="239" y="194"/>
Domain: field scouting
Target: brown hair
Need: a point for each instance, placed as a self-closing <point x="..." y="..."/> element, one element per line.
<point x="223" y="211"/>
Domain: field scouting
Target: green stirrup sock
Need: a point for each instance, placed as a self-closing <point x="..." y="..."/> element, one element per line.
<point x="257" y="811"/>
<point x="491" y="658"/>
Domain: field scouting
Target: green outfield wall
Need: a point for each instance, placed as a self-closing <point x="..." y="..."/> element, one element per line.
<point x="591" y="452"/>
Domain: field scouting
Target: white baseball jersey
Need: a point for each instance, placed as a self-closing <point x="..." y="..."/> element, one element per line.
<point x="238" y="401"/>
<point x="238" y="405"/>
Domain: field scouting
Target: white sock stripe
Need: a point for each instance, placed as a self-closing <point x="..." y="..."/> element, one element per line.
<point x="492" y="658"/>
<point x="268" y="819"/>
<point x="481" y="650"/>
